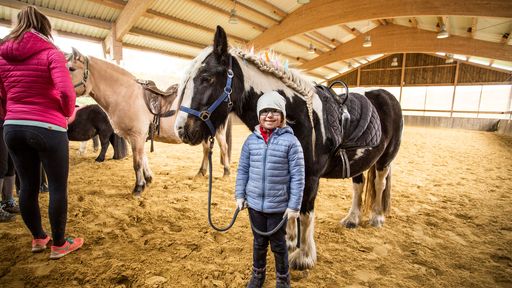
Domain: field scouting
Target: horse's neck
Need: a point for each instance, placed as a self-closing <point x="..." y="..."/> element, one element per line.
<point x="110" y="82"/>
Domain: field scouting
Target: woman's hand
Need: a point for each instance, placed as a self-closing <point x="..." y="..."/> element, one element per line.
<point x="241" y="204"/>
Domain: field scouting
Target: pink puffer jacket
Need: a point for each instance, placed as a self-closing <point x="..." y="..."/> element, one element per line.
<point x="35" y="81"/>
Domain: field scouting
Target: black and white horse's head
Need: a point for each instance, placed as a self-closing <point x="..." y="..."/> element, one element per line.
<point x="205" y="82"/>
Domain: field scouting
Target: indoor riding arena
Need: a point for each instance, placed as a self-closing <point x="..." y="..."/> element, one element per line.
<point x="448" y="65"/>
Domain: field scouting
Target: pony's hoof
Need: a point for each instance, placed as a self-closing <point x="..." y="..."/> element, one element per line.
<point x="201" y="173"/>
<point x="137" y="191"/>
<point x="349" y="222"/>
<point x="377" y="221"/>
<point x="226" y="173"/>
<point x="149" y="179"/>
<point x="299" y="261"/>
<point x="100" y="159"/>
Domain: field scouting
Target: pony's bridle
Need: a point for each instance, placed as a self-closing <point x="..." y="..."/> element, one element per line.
<point x="225" y="97"/>
<point x="85" y="76"/>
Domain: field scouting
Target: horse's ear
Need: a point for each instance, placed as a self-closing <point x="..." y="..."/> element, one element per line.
<point x="76" y="53"/>
<point x="68" y="56"/>
<point x="220" y="43"/>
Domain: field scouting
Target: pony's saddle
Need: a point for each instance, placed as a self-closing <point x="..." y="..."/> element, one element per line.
<point x="352" y="122"/>
<point x="157" y="101"/>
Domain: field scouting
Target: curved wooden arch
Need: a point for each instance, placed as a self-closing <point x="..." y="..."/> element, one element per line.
<point x="324" y="13"/>
<point x="397" y="39"/>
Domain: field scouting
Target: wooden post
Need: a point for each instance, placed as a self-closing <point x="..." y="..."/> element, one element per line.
<point x="479" y="100"/>
<point x="455" y="82"/>
<point x="402" y="77"/>
<point x="358" y="76"/>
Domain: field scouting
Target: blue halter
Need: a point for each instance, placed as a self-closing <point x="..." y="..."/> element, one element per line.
<point x="225" y="97"/>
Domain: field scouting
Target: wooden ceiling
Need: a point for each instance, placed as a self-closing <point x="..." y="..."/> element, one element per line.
<point x="479" y="30"/>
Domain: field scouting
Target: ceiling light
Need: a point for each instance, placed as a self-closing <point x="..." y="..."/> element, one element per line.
<point x="443" y="33"/>
<point x="232" y="17"/>
<point x="367" y="41"/>
<point x="449" y="60"/>
<point x="311" y="49"/>
<point x="349" y="66"/>
<point x="302" y="1"/>
<point x="394" y="63"/>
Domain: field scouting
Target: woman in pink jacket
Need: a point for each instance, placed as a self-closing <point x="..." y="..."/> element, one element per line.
<point x="38" y="95"/>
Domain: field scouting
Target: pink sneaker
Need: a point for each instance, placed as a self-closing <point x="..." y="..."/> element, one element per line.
<point x="39" y="245"/>
<point x="69" y="246"/>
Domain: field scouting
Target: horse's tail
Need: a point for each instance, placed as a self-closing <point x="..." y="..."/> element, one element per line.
<point x="371" y="192"/>
<point x="120" y="146"/>
<point x="229" y="140"/>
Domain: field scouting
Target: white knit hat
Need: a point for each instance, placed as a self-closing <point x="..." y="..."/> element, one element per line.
<point x="272" y="99"/>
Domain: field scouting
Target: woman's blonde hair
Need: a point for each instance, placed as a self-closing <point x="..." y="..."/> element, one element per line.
<point x="30" y="17"/>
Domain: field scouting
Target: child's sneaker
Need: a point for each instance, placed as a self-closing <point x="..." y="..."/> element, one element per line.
<point x="39" y="245"/>
<point x="69" y="246"/>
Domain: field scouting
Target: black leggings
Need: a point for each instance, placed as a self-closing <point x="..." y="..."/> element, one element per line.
<point x="6" y="165"/>
<point x="266" y="222"/>
<point x="29" y="146"/>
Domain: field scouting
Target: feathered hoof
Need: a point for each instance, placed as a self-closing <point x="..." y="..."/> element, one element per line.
<point x="299" y="261"/>
<point x="349" y="222"/>
<point x="377" y="221"/>
<point x="226" y="173"/>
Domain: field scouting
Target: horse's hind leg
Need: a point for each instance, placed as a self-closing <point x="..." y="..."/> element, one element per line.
<point x="354" y="214"/>
<point x="204" y="163"/>
<point x="380" y="196"/>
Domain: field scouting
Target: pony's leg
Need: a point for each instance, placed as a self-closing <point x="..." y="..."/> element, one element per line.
<point x="148" y="174"/>
<point x="104" y="146"/>
<point x="305" y="257"/>
<point x="204" y="164"/>
<point x="353" y="217"/>
<point x="377" y="208"/>
<point x="224" y="159"/>
<point x="138" y="166"/>
<point x="83" y="148"/>
<point x="95" y="143"/>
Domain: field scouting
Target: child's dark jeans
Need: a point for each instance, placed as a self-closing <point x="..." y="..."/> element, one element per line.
<point x="266" y="222"/>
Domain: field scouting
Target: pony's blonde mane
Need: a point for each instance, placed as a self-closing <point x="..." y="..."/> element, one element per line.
<point x="290" y="77"/>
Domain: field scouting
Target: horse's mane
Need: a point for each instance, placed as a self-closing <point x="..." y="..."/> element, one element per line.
<point x="290" y="77"/>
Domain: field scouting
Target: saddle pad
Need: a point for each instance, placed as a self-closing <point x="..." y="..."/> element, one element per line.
<point x="363" y="129"/>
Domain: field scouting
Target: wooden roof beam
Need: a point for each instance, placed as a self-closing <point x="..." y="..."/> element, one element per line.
<point x="397" y="39"/>
<point x="474" y="23"/>
<point x="59" y="15"/>
<point x="317" y="51"/>
<point x="326" y="39"/>
<point x="140" y="32"/>
<point x="325" y="13"/>
<point x="275" y="10"/>
<point x="352" y="30"/>
<point x="317" y="42"/>
<point x="211" y="7"/>
<point x="414" y="22"/>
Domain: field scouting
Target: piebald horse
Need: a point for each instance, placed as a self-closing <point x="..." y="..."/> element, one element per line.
<point x="118" y="93"/>
<point x="307" y="107"/>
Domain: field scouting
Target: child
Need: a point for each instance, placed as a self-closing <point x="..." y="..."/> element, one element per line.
<point x="270" y="181"/>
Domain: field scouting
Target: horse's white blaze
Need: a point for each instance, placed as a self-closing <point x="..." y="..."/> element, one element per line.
<point x="186" y="87"/>
<point x="306" y="255"/>
<point x="354" y="213"/>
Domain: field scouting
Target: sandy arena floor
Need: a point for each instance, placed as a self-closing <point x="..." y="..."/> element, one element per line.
<point x="450" y="224"/>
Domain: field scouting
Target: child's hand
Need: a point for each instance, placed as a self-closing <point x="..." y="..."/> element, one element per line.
<point x="291" y="214"/>
<point x="241" y="204"/>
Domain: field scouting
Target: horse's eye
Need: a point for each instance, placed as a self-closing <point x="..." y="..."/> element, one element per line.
<point x="207" y="79"/>
<point x="72" y="69"/>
